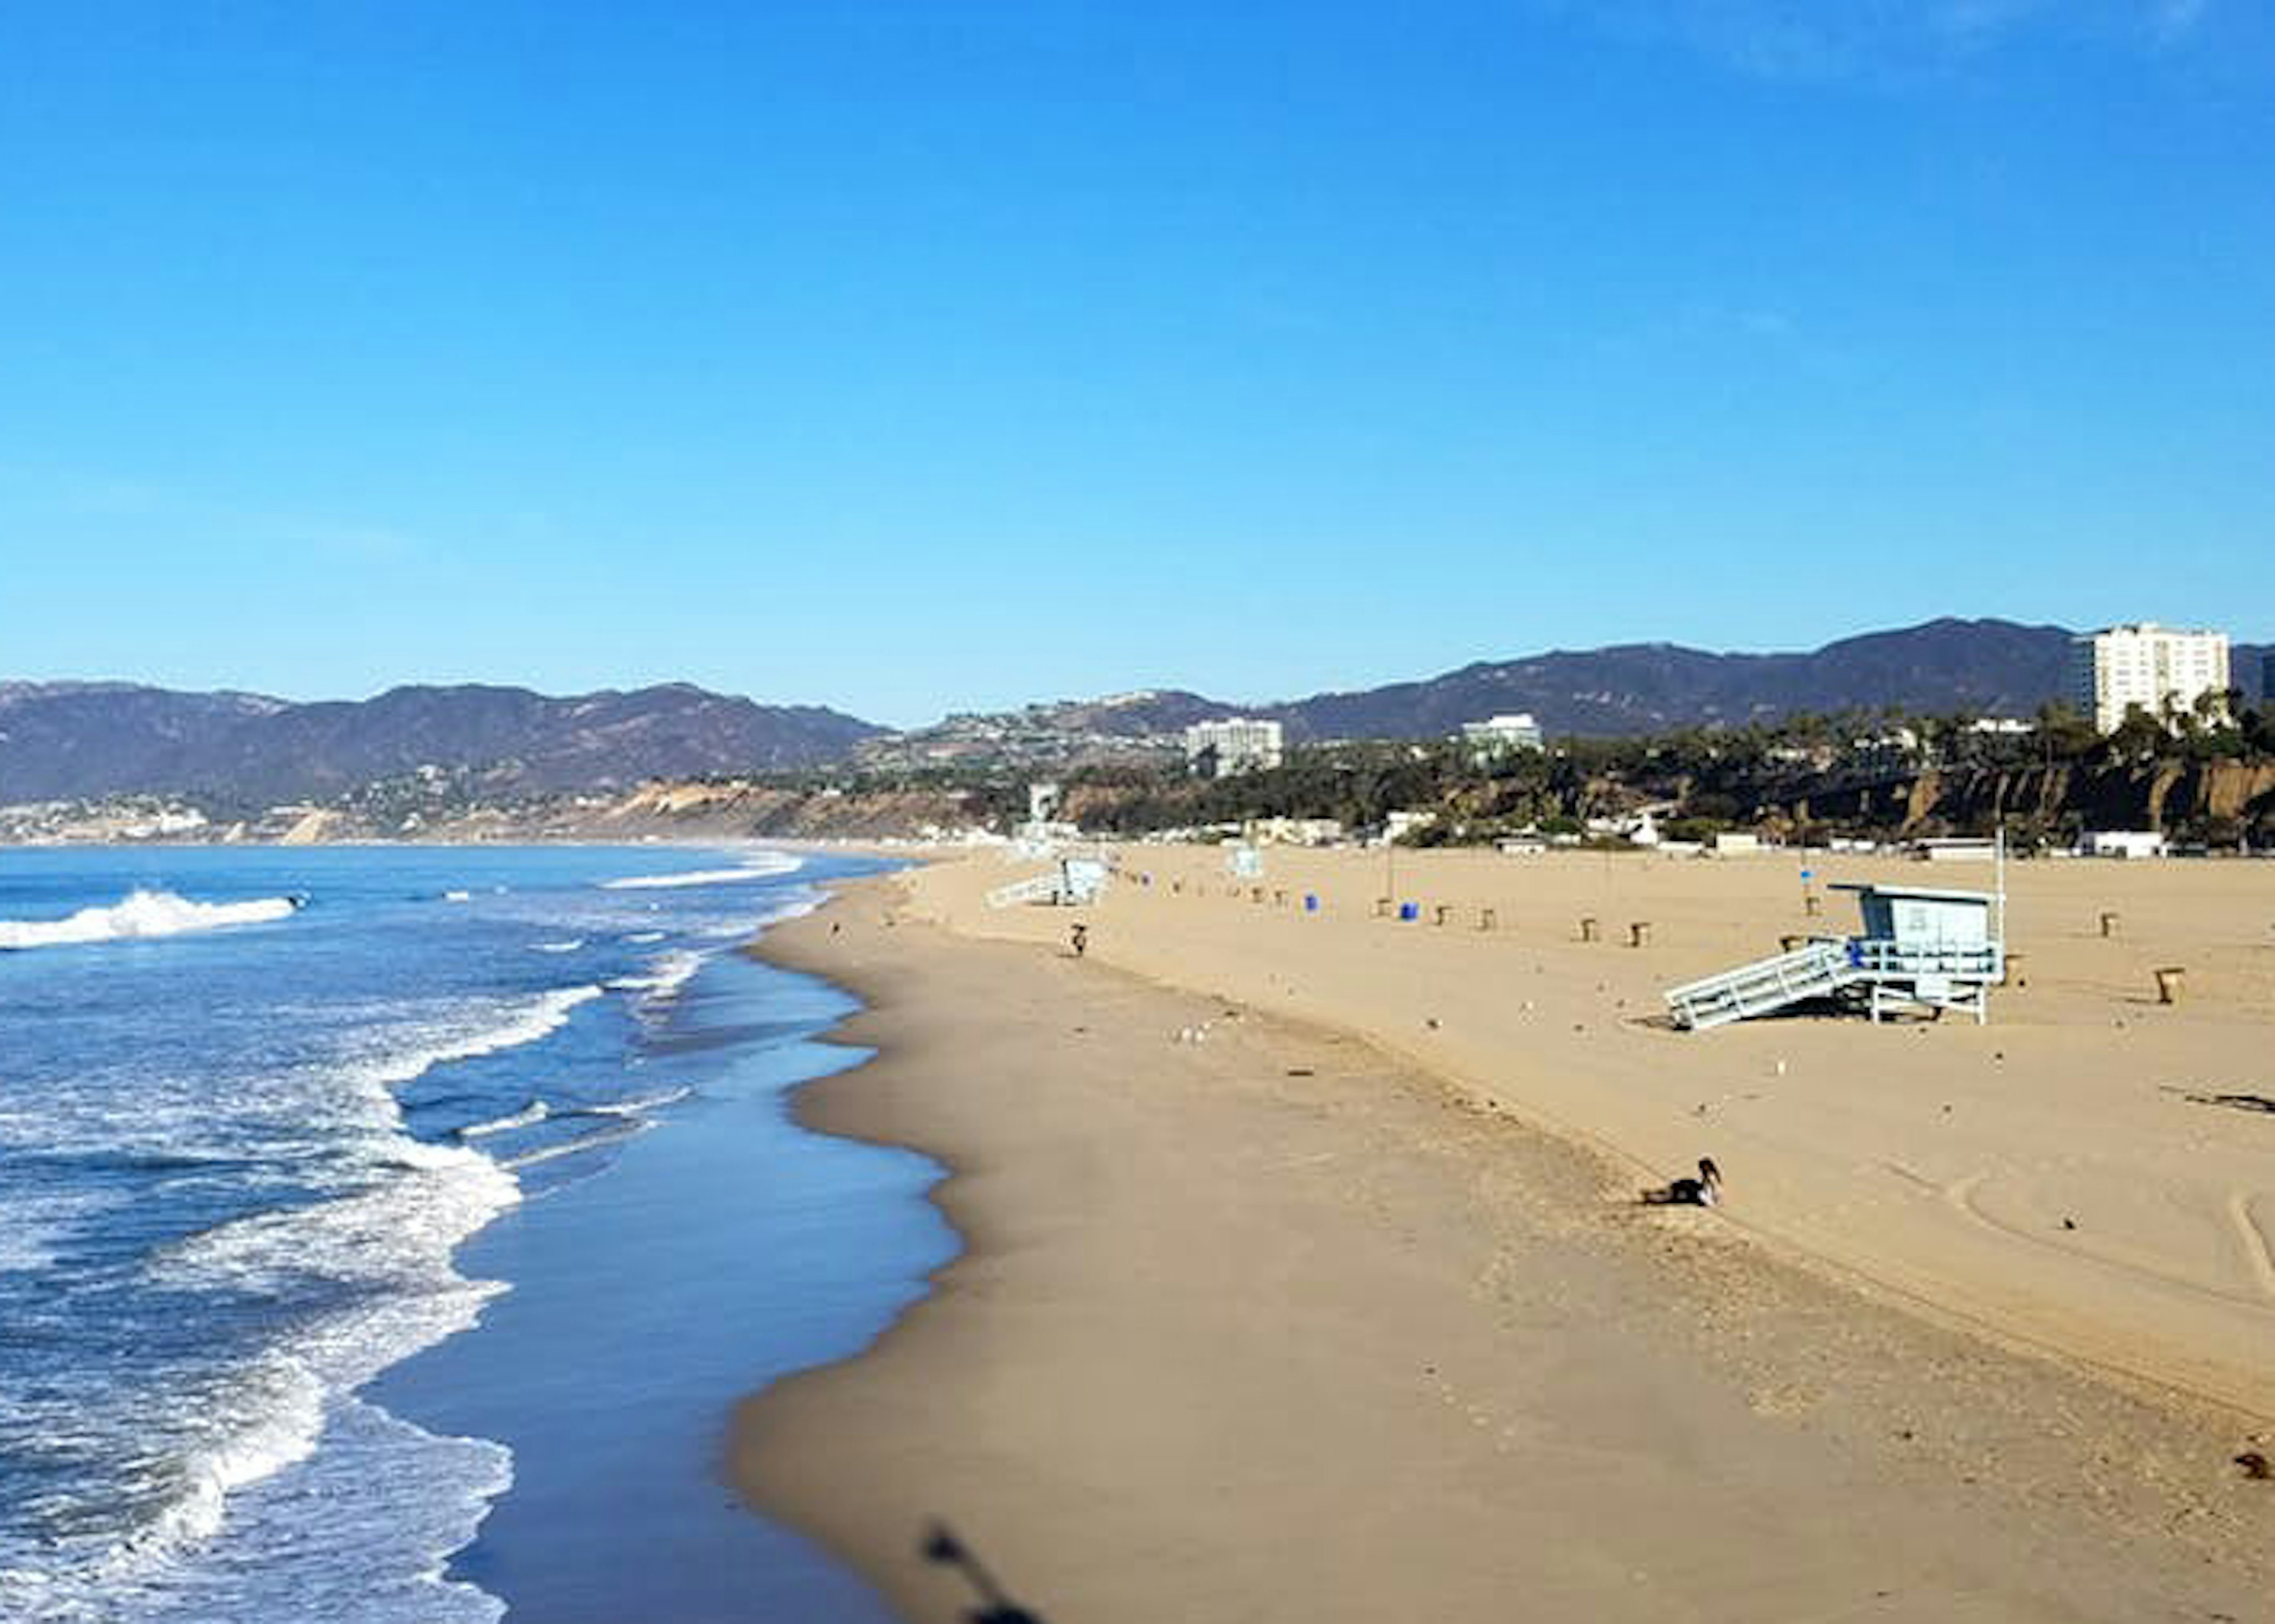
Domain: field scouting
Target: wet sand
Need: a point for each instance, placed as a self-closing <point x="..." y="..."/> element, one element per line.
<point x="1278" y="1324"/>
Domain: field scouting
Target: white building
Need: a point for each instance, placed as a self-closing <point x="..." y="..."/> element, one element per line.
<point x="1499" y="735"/>
<point x="1236" y="744"/>
<point x="2123" y="844"/>
<point x="2145" y="665"/>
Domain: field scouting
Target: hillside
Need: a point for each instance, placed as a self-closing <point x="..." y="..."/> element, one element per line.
<point x="62" y="741"/>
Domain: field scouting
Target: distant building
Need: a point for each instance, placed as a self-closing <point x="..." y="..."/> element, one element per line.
<point x="2145" y="665"/>
<point x="1236" y="744"/>
<point x="1500" y="735"/>
<point x="2123" y="844"/>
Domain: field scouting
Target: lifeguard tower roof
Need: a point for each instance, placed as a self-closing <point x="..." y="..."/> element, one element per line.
<point x="1923" y="893"/>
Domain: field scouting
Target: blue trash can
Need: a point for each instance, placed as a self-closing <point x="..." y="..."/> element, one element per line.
<point x="1311" y="902"/>
<point x="1409" y="911"/>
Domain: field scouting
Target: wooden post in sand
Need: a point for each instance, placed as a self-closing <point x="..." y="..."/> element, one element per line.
<point x="1812" y="904"/>
<point x="2014" y="975"/>
<point x="1485" y="920"/>
<point x="2109" y="925"/>
<point x="2171" y="980"/>
<point x="1639" y="933"/>
<point x="1441" y="913"/>
<point x="1588" y="928"/>
<point x="1255" y="893"/>
<point x="1790" y="944"/>
<point x="1279" y="899"/>
<point x="1382" y="907"/>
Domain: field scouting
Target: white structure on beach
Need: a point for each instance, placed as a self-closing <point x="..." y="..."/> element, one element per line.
<point x="2144" y="664"/>
<point x="1930" y="950"/>
<point x="1236" y="744"/>
<point x="1500" y="735"/>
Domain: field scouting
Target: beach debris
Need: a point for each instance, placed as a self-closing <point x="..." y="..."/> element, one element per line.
<point x="2069" y="1223"/>
<point x="1639" y="933"/>
<point x="1486" y="918"/>
<point x="2234" y="1102"/>
<point x="1300" y="1072"/>
<point x="2109" y="924"/>
<point x="2255" y="1466"/>
<point x="1430" y="1020"/>
<point x="1588" y="928"/>
<point x="2172" y="981"/>
<point x="1078" y="938"/>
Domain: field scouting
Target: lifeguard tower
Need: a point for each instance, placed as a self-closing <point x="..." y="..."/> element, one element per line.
<point x="1070" y="882"/>
<point x="1919" y="947"/>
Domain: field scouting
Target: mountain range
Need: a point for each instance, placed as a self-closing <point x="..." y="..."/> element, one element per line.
<point x="81" y="740"/>
<point x="84" y="740"/>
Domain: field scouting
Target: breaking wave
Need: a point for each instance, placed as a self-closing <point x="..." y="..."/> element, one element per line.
<point x="143" y="914"/>
<point x="762" y="866"/>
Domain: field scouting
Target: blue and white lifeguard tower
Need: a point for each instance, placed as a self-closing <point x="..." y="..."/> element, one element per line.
<point x="1921" y="949"/>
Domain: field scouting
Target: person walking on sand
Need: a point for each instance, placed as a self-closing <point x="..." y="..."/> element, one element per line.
<point x="1079" y="938"/>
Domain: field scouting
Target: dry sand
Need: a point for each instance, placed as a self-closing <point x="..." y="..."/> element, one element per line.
<point x="1305" y="1320"/>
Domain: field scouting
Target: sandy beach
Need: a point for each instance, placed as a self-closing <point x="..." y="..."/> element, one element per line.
<point x="1279" y="1302"/>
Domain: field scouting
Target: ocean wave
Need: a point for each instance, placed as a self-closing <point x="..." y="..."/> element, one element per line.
<point x="569" y="946"/>
<point x="632" y="1129"/>
<point x="535" y="1111"/>
<point x="540" y="1016"/>
<point x="762" y="866"/>
<point x="639" y="1106"/>
<point x="143" y="914"/>
<point x="666" y="974"/>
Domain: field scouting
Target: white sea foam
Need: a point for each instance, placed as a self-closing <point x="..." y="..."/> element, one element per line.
<point x="535" y="1111"/>
<point x="577" y="1147"/>
<point x="641" y="939"/>
<point x="760" y="865"/>
<point x="665" y="976"/>
<point x="143" y="914"/>
<point x="638" y="1106"/>
<point x="543" y="1015"/>
<point x="569" y="946"/>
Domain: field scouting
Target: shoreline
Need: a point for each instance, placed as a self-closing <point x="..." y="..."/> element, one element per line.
<point x="1013" y="1399"/>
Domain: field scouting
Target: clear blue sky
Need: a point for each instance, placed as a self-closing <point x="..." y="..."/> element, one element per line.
<point x="927" y="355"/>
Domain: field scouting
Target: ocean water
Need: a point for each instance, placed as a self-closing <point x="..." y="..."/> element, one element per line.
<point x="385" y="1234"/>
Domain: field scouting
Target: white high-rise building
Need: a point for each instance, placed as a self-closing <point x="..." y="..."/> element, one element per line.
<point x="1236" y="744"/>
<point x="2145" y="665"/>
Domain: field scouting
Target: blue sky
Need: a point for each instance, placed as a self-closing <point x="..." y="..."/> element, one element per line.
<point x="924" y="355"/>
